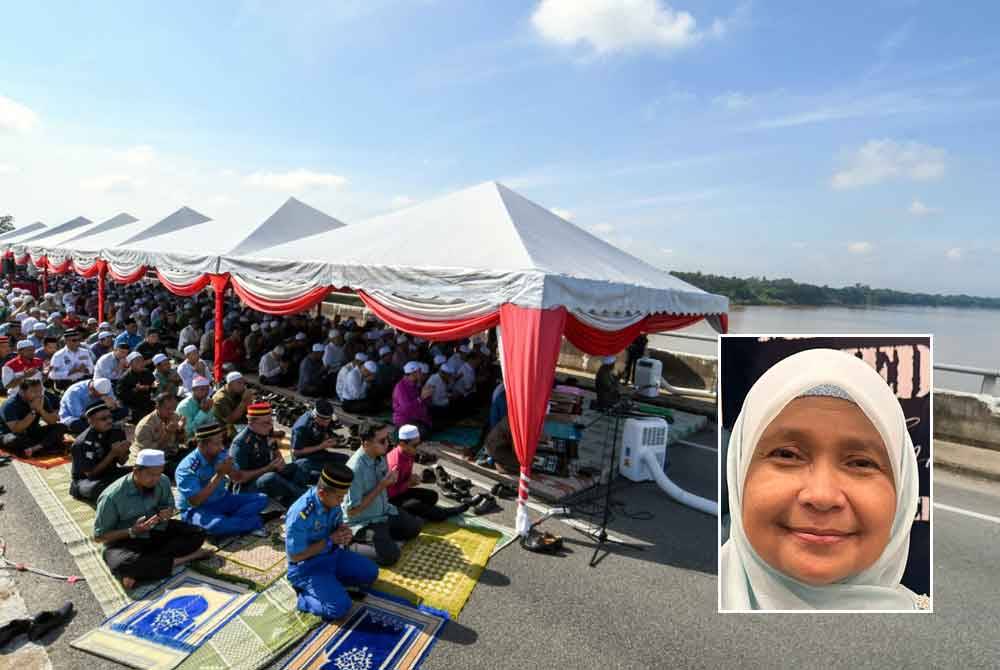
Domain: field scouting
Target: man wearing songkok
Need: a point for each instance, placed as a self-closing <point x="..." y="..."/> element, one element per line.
<point x="259" y="465"/>
<point x="355" y="396"/>
<point x="367" y="505"/>
<point x="162" y="429"/>
<point x="103" y="344"/>
<point x="273" y="368"/>
<point x="607" y="385"/>
<point x="316" y="537"/>
<point x="165" y="377"/>
<point x="113" y="364"/>
<point x="410" y="403"/>
<point x="135" y="388"/>
<point x="192" y="366"/>
<point x="151" y="345"/>
<point x="71" y="363"/>
<point x="81" y="395"/>
<point x="130" y="335"/>
<point x="201" y="489"/>
<point x="141" y="541"/>
<point x="313" y="438"/>
<point x="313" y="377"/>
<point x="22" y="415"/>
<point x="196" y="408"/>
<point x="99" y="454"/>
<point x="406" y="493"/>
<point x="24" y="366"/>
<point x="230" y="404"/>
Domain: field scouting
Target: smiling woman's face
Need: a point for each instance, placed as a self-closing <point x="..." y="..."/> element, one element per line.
<point x="819" y="497"/>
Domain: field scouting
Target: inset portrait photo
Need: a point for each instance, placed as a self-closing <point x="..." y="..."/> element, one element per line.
<point x="825" y="481"/>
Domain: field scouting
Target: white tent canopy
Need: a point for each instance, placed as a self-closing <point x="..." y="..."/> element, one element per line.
<point x="469" y="252"/>
<point x="32" y="228"/>
<point x="293" y="220"/>
<point x="115" y="222"/>
<point x="62" y="228"/>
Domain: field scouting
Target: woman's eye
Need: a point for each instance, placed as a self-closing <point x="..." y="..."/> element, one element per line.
<point x="863" y="463"/>
<point x="784" y="454"/>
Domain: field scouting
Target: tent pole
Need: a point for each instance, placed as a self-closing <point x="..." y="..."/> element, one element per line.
<point x="219" y="283"/>
<point x="45" y="278"/>
<point x="102" y="270"/>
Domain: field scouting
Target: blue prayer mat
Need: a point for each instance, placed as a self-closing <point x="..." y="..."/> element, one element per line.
<point x="378" y="633"/>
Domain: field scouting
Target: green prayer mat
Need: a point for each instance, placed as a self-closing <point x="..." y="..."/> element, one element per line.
<point x="256" y="562"/>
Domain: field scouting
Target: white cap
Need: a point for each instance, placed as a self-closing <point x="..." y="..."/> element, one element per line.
<point x="371" y="367"/>
<point x="37" y="326"/>
<point x="319" y="347"/>
<point x="255" y="327"/>
<point x="150" y="458"/>
<point x="447" y="369"/>
<point x="104" y="325"/>
<point x="411" y="367"/>
<point x="360" y="357"/>
<point x="189" y="348"/>
<point x="134" y="355"/>
<point x="409" y="432"/>
<point x="440" y="360"/>
<point x="102" y="385"/>
<point x="104" y="334"/>
<point x="55" y="315"/>
<point x="200" y="381"/>
<point x="71" y="309"/>
<point x="278" y="349"/>
<point x="49" y="296"/>
<point x="91" y="320"/>
<point x="300" y="336"/>
<point x="401" y="339"/>
<point x="275" y="324"/>
<point x="159" y="358"/>
<point x="384" y="350"/>
<point x="25" y="344"/>
<point x="608" y="360"/>
<point x="233" y="376"/>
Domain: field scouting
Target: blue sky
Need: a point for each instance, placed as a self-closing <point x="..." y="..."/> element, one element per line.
<point x="829" y="142"/>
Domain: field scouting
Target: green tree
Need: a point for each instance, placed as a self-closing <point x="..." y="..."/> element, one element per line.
<point x="6" y="223"/>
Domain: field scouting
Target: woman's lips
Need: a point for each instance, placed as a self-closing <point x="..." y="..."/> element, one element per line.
<point x="820" y="536"/>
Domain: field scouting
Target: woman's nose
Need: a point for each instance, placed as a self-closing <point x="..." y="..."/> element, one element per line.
<point x="821" y="488"/>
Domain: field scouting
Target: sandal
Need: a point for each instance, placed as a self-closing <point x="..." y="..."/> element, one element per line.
<point x="542" y="543"/>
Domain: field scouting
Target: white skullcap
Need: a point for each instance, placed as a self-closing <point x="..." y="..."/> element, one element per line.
<point x="300" y="336"/>
<point x="104" y="334"/>
<point x="409" y="432"/>
<point x="360" y="357"/>
<point x="278" y="349"/>
<point x="71" y="309"/>
<point x="371" y="367"/>
<point x="102" y="386"/>
<point x="411" y="367"/>
<point x="440" y="360"/>
<point x="200" y="381"/>
<point x="233" y="377"/>
<point x="608" y="360"/>
<point x="401" y="339"/>
<point x="447" y="369"/>
<point x="319" y="347"/>
<point x="384" y="350"/>
<point x="159" y="358"/>
<point x="255" y="327"/>
<point x="55" y="315"/>
<point x="134" y="355"/>
<point x="49" y="296"/>
<point x="104" y="325"/>
<point x="37" y="326"/>
<point x="91" y="320"/>
<point x="189" y="348"/>
<point x="25" y="344"/>
<point x="150" y="458"/>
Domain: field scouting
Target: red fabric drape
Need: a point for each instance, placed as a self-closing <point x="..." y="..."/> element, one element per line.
<point x="302" y="303"/>
<point x="428" y="329"/>
<point x="219" y="286"/>
<point x="101" y="270"/>
<point x="130" y="278"/>
<point x="8" y="254"/>
<point x="23" y="260"/>
<point x="597" y="342"/>
<point x="40" y="262"/>
<point x="724" y="320"/>
<point x="530" y="340"/>
<point x="185" y="289"/>
<point x="65" y="266"/>
<point x="91" y="271"/>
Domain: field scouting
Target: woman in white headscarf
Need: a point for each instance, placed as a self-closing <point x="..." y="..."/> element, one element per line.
<point x="823" y="491"/>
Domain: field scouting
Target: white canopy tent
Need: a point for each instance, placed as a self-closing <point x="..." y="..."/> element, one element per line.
<point x="32" y="228"/>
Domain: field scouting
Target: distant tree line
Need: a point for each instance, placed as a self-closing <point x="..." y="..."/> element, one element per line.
<point x="764" y="291"/>
<point x="6" y="223"/>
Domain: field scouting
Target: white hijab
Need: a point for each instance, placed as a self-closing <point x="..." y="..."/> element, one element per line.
<point x="748" y="583"/>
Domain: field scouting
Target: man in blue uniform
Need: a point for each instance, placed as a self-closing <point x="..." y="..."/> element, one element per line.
<point x="319" y="565"/>
<point x="313" y="437"/>
<point x="201" y="489"/>
<point x="259" y="464"/>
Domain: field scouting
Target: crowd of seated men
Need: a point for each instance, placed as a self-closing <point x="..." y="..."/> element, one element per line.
<point x="143" y="425"/>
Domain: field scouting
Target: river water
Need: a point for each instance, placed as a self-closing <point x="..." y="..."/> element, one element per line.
<point x="961" y="336"/>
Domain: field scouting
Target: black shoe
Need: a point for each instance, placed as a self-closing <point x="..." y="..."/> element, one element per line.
<point x="476" y="499"/>
<point x="489" y="504"/>
<point x="267" y="517"/>
<point x="13" y="629"/>
<point x="427" y="476"/>
<point x="504" y="491"/>
<point x="461" y="484"/>
<point x="442" y="476"/>
<point x="49" y="620"/>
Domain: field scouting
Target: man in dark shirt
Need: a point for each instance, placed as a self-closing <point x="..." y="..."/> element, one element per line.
<point x="607" y="385"/>
<point x="386" y="377"/>
<point x="312" y="439"/>
<point x="6" y="352"/>
<point x="22" y="415"/>
<point x="499" y="445"/>
<point x="151" y="345"/>
<point x="99" y="454"/>
<point x="636" y="350"/>
<point x="313" y="377"/>
<point x="259" y="466"/>
<point x="135" y="388"/>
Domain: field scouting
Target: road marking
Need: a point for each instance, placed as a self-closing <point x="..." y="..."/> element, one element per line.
<point x="965" y="512"/>
<point x="685" y="443"/>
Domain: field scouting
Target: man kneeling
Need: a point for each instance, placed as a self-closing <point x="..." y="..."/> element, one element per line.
<point x="406" y="493"/>
<point x="142" y="542"/>
<point x="319" y="565"/>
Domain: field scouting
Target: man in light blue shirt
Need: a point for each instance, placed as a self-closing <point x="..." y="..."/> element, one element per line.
<point x="366" y="505"/>
<point x="130" y="335"/>
<point x="79" y="396"/>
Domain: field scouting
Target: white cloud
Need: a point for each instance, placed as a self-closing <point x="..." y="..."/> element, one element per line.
<point x="666" y="252"/>
<point x="8" y="169"/>
<point x="111" y="183"/>
<point x="15" y="117"/>
<point x="400" y="201"/>
<point x="917" y="208"/>
<point x="295" y="180"/>
<point x="879" y="160"/>
<point x="608" y="26"/>
<point x="954" y="254"/>
<point x="860" y="248"/>
<point x="733" y="100"/>
<point x="563" y="213"/>
<point x="138" y="155"/>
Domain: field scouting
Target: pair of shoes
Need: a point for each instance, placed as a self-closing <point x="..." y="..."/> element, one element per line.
<point x="38" y="626"/>
<point x="427" y="477"/>
<point x="423" y="458"/>
<point x="442" y="476"/>
<point x="461" y="484"/>
<point x="502" y="490"/>
<point x="542" y="542"/>
<point x="450" y="491"/>
<point x="486" y="505"/>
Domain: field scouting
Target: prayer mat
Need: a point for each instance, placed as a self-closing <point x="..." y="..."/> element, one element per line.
<point x="258" y="635"/>
<point x="440" y="567"/>
<point x="45" y="462"/>
<point x="378" y="633"/>
<point x="464" y="436"/>
<point x="257" y="562"/>
<point x="161" y="630"/>
<point x="507" y="534"/>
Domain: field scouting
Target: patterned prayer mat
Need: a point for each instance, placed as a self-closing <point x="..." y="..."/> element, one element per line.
<point x="257" y="636"/>
<point x="463" y="436"/>
<point x="507" y="535"/>
<point x="162" y="630"/>
<point x="378" y="633"/>
<point x="46" y="462"/>
<point x="440" y="567"/>
<point x="73" y="522"/>
<point x="257" y="562"/>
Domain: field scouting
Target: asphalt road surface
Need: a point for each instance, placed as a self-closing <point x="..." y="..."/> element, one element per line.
<point x="654" y="608"/>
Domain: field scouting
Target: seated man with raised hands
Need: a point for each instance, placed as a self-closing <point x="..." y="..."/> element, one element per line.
<point x="259" y="466"/>
<point x="99" y="454"/>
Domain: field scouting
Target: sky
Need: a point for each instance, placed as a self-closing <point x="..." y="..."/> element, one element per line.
<point x="833" y="143"/>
